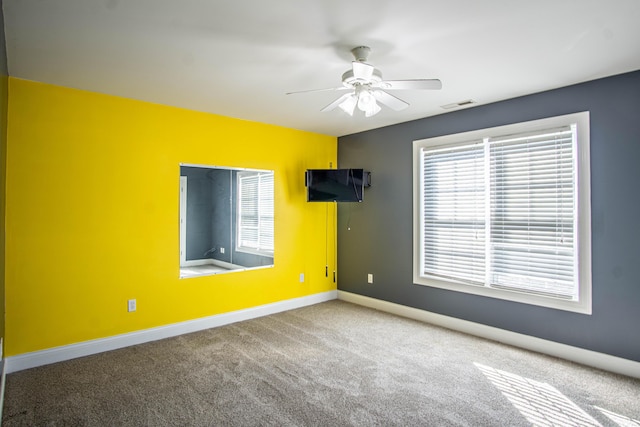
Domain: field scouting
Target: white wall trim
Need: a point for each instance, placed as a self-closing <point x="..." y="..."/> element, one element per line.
<point x="86" y="348"/>
<point x="575" y="354"/>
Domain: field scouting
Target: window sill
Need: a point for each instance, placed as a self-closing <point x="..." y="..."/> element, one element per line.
<point x="583" y="306"/>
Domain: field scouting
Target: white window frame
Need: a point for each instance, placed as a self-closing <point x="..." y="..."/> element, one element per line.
<point x="582" y="220"/>
<point x="259" y="248"/>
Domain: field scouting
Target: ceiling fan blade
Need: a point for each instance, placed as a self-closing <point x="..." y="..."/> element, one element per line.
<point x="389" y="100"/>
<point x="362" y="70"/>
<point x="318" y="90"/>
<point x="337" y="102"/>
<point x="417" y="84"/>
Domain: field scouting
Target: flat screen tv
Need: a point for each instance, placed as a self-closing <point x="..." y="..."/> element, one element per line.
<point x="336" y="185"/>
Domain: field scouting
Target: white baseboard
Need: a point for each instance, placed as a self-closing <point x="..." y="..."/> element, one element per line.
<point x="72" y="351"/>
<point x="86" y="348"/>
<point x="575" y="354"/>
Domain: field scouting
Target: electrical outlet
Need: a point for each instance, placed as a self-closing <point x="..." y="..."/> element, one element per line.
<point x="301" y="277"/>
<point x="369" y="278"/>
<point x="131" y="305"/>
<point x="221" y="250"/>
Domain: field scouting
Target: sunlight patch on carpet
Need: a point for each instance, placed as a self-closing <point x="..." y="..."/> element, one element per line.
<point x="540" y="403"/>
<point x="621" y="420"/>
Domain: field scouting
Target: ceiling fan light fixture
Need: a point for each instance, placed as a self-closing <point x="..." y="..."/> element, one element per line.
<point x="365" y="98"/>
<point x="367" y="102"/>
<point x="372" y="109"/>
<point x="349" y="104"/>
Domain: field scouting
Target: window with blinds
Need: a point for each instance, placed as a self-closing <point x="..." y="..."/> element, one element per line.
<point x="453" y="212"/>
<point x="255" y="212"/>
<point x="532" y="202"/>
<point x="505" y="212"/>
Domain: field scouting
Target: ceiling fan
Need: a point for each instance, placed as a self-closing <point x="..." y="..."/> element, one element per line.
<point x="366" y="87"/>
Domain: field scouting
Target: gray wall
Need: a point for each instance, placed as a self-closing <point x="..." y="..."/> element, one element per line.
<point x="220" y="219"/>
<point x="200" y="210"/>
<point x="380" y="237"/>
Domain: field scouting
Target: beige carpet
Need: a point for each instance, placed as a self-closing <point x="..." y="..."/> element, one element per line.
<point x="332" y="364"/>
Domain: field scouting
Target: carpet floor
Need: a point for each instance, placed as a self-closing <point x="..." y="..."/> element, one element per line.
<point x="330" y="364"/>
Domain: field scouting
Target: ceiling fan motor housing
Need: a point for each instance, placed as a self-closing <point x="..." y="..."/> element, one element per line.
<point x="351" y="81"/>
<point x="361" y="53"/>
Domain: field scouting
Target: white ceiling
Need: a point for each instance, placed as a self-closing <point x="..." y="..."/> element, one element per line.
<point x="238" y="58"/>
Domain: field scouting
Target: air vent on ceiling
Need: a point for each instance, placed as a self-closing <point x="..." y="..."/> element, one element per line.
<point x="465" y="103"/>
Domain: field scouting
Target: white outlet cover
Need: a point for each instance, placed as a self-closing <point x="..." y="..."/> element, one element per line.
<point x="131" y="305"/>
<point x="301" y="277"/>
<point x="369" y="278"/>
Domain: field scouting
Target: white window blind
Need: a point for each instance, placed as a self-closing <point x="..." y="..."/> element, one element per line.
<point x="255" y="211"/>
<point x="453" y="208"/>
<point x="502" y="213"/>
<point x="533" y="213"/>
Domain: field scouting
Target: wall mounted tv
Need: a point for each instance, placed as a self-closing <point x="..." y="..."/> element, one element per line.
<point x="336" y="185"/>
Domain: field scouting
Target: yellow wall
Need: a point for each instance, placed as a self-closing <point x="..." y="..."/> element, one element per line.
<point x="92" y="215"/>
<point x="4" y="84"/>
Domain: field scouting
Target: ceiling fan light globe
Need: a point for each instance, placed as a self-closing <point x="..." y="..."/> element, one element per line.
<point x="372" y="109"/>
<point x="365" y="98"/>
<point x="375" y="109"/>
<point x="349" y="104"/>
